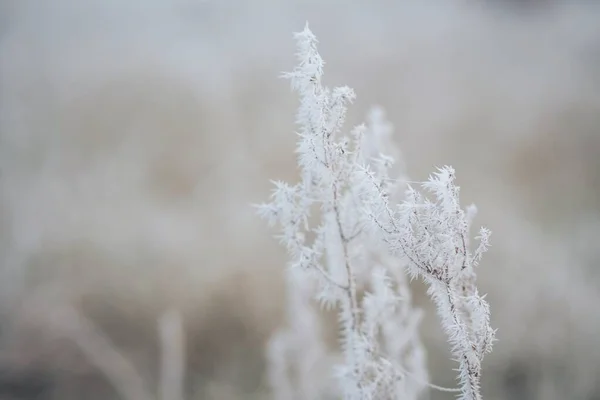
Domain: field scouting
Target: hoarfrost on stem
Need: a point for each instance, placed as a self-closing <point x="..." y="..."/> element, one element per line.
<point x="433" y="238"/>
<point x="354" y="253"/>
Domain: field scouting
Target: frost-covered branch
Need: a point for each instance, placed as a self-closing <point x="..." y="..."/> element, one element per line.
<point x="350" y="249"/>
<point x="347" y="267"/>
<point x="433" y="237"/>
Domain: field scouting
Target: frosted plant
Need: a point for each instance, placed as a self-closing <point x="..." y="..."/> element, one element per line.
<point x="433" y="238"/>
<point x="350" y="250"/>
<point x="296" y="354"/>
<point x="337" y="255"/>
<point x="398" y="321"/>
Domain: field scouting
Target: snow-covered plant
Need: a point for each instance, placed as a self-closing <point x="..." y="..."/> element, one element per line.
<point x="350" y="250"/>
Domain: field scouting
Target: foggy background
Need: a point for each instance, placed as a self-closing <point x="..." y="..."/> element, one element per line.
<point x="134" y="136"/>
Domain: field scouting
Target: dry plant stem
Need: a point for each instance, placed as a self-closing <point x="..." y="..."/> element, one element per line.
<point x="122" y="375"/>
<point x="351" y="285"/>
<point x="102" y="354"/>
<point x="474" y="371"/>
<point x="172" y="345"/>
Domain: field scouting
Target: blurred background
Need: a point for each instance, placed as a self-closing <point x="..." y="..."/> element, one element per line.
<point x="135" y="135"/>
